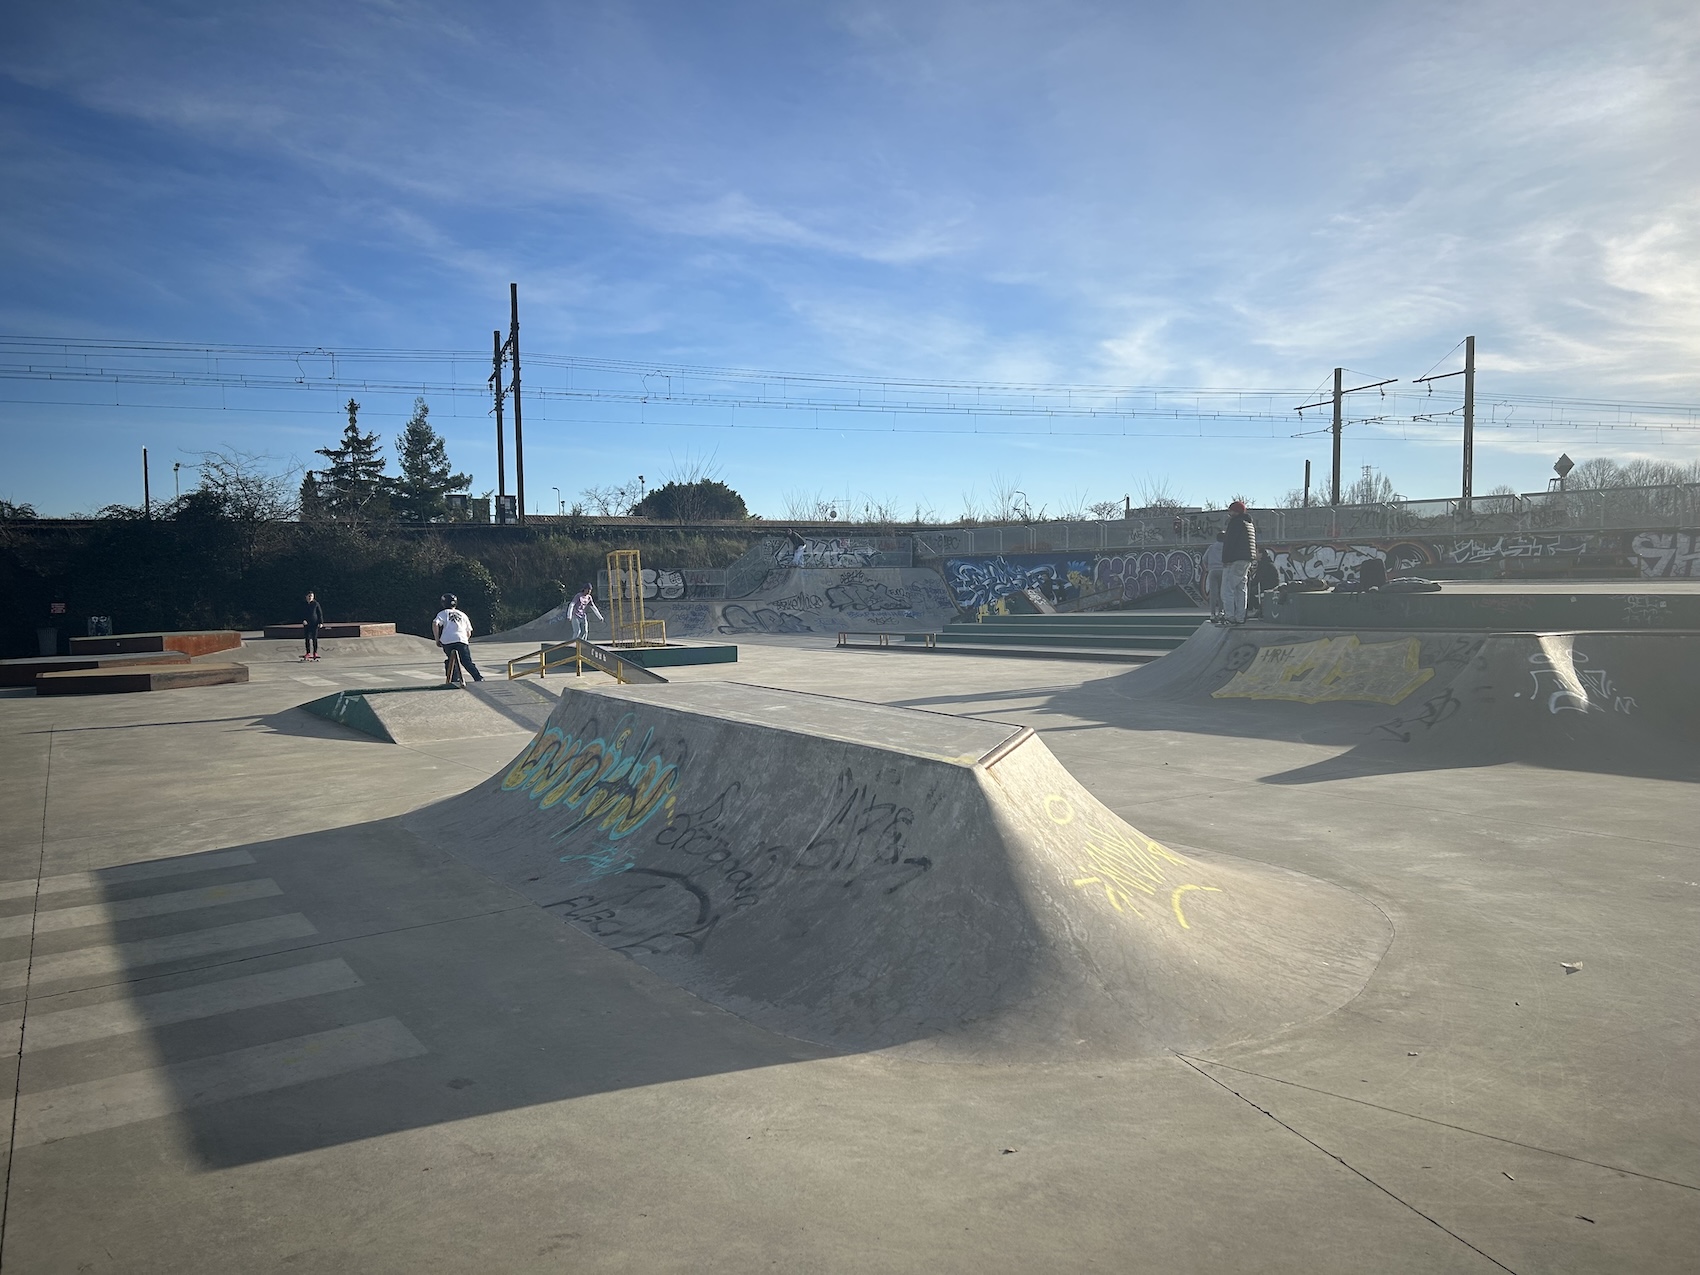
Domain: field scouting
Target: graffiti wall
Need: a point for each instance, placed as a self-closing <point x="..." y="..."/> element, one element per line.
<point x="1070" y="581"/>
<point x="1651" y="554"/>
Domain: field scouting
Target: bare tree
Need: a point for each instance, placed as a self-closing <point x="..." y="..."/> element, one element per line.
<point x="804" y="506"/>
<point x="1155" y="493"/>
<point x="1105" y="510"/>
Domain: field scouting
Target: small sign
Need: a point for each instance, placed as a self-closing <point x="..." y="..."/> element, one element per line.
<point x="56" y="608"/>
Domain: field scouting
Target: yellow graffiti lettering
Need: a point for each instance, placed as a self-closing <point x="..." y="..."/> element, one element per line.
<point x="1175" y="900"/>
<point x="1329" y="669"/>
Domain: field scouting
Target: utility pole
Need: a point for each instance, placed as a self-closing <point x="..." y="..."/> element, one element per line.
<point x="500" y="392"/>
<point x="1469" y="375"/>
<point x="519" y="433"/>
<point x="147" y="499"/>
<point x="1307" y="484"/>
<point x="1338" y="400"/>
<point x="1469" y="417"/>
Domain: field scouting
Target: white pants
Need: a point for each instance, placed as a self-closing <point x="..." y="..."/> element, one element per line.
<point x="1213" y="590"/>
<point x="1234" y="590"/>
<point x="581" y="628"/>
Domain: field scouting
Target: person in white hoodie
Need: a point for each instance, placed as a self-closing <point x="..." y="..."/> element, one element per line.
<point x="579" y="610"/>
<point x="1213" y="578"/>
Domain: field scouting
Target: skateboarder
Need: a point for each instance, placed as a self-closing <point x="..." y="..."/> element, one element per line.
<point x="312" y="616"/>
<point x="453" y="630"/>
<point x="1239" y="551"/>
<point x="578" y="610"/>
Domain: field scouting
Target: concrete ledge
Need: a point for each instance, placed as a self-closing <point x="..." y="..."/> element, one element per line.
<point x="670" y="656"/>
<point x="117" y="681"/>
<point x="23" y="672"/>
<point x="348" y="629"/>
<point x="194" y="642"/>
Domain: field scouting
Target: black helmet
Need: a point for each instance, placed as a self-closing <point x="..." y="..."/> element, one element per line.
<point x="449" y="599"/>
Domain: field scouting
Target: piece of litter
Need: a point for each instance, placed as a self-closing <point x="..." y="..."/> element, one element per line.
<point x="1410" y="1053"/>
<point x="1570" y="967"/>
<point x="1009" y="1151"/>
<point x="1590" y="1221"/>
<point x="1508" y="1175"/>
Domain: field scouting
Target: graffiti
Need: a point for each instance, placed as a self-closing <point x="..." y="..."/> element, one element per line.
<point x="1667" y="553"/>
<point x="798" y="602"/>
<point x="841" y="551"/>
<point x="1123" y="864"/>
<point x="1644" y="611"/>
<point x="1468" y="551"/>
<point x="1452" y="652"/>
<point x="608" y="780"/>
<point x="855" y="592"/>
<point x="1139" y="575"/>
<point x="697" y="870"/>
<point x="984" y="582"/>
<point x="692" y="618"/>
<point x="1241" y="657"/>
<point x="1432" y="713"/>
<point x="1565" y="684"/>
<point x="1330" y="669"/>
<point x="1340" y="563"/>
<point x="740" y="619"/>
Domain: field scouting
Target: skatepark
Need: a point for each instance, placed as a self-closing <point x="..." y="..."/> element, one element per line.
<point x="1340" y="941"/>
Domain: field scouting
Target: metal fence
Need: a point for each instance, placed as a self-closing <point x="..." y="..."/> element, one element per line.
<point x="1605" y="509"/>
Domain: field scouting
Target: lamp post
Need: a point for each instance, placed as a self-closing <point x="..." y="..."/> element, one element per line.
<point x="560" y="505"/>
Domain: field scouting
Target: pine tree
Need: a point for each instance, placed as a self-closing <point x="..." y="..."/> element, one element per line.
<point x="354" y="485"/>
<point x="425" y="473"/>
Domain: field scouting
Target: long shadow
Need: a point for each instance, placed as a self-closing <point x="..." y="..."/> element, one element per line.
<point x="1422" y="734"/>
<point x="349" y="984"/>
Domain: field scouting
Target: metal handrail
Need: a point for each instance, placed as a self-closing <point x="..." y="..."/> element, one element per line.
<point x="577" y="653"/>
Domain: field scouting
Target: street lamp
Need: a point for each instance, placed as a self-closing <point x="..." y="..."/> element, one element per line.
<point x="560" y="505"/>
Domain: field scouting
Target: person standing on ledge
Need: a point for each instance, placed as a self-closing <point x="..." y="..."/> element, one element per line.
<point x="1239" y="551"/>
<point x="453" y="630"/>
<point x="578" y="611"/>
<point x="312" y="616"/>
<point x="1213" y="578"/>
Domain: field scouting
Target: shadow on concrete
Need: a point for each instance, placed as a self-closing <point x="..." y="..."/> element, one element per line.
<point x="432" y="995"/>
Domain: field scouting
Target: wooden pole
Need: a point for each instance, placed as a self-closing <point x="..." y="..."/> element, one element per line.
<point x="1469" y="419"/>
<point x="519" y="433"/>
<point x="501" y="459"/>
<point x="1338" y="399"/>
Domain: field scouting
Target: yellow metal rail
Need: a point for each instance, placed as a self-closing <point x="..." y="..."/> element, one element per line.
<point x="562" y="655"/>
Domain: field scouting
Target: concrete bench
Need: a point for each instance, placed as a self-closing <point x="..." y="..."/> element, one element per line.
<point x="140" y="677"/>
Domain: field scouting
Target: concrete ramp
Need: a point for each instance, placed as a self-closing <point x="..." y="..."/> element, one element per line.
<point x="426" y="714"/>
<point x="790" y="601"/>
<point x="1620" y="701"/>
<point x="866" y="876"/>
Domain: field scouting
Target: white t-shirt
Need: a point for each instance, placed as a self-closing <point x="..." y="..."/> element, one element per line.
<point x="1213" y="555"/>
<point x="456" y="626"/>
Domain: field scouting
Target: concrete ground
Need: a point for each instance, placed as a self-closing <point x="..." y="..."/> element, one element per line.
<point x="312" y="1041"/>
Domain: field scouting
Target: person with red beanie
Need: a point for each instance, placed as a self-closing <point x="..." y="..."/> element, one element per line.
<point x="1239" y="551"/>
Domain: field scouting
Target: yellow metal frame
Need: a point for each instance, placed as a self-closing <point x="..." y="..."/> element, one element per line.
<point x="577" y="654"/>
<point x="626" y="620"/>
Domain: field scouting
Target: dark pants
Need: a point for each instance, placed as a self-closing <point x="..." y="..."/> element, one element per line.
<point x="311" y="633"/>
<point x="461" y="649"/>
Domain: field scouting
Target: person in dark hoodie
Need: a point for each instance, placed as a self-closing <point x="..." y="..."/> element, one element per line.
<point x="1239" y="551"/>
<point x="312" y="616"/>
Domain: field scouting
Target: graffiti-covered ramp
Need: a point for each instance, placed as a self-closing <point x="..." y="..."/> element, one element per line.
<point x="867" y="876"/>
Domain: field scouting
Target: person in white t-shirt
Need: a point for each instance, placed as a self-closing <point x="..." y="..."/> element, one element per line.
<point x="453" y="630"/>
<point x="1213" y="579"/>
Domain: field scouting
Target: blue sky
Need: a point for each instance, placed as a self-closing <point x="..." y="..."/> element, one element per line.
<point x="1219" y="195"/>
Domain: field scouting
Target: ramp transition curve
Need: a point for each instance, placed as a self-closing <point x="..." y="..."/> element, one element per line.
<point x="866" y="876"/>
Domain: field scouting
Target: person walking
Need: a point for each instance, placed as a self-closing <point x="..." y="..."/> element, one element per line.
<point x="453" y="630"/>
<point x="1239" y="551"/>
<point x="312" y="617"/>
<point x="1213" y="578"/>
<point x="579" y="610"/>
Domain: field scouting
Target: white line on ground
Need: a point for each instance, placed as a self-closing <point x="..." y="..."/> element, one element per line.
<point x="210" y="896"/>
<point x="145" y="871"/>
<point x="117" y="957"/>
<point x="95" y="1105"/>
<point x="183" y="1004"/>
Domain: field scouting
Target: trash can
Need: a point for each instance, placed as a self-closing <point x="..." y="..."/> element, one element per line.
<point x="47" y="641"/>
